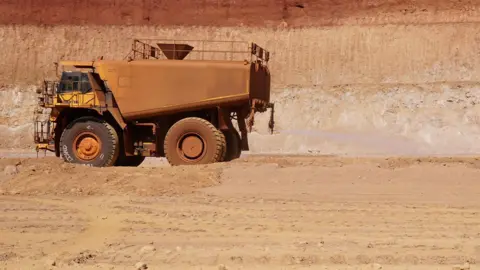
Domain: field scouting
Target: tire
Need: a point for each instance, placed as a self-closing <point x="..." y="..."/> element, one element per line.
<point x="90" y="141"/>
<point x="233" y="149"/>
<point x="193" y="141"/>
<point x="129" y="161"/>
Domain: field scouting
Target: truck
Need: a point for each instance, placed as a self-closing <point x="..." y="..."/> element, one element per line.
<point x="189" y="101"/>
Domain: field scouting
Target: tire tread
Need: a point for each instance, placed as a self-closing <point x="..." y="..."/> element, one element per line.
<point x="219" y="138"/>
<point x="110" y="161"/>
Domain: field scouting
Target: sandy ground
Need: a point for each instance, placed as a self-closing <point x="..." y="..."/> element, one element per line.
<point x="259" y="212"/>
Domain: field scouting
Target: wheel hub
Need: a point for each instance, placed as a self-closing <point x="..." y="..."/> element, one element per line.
<point x="191" y="146"/>
<point x="87" y="146"/>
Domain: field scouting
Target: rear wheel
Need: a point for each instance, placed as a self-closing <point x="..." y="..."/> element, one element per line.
<point x="193" y="141"/>
<point x="89" y="141"/>
<point x="233" y="149"/>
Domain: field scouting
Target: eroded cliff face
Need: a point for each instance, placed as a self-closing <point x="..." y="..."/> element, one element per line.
<point x="250" y="13"/>
<point x="300" y="57"/>
<point x="394" y="119"/>
<point x="362" y="78"/>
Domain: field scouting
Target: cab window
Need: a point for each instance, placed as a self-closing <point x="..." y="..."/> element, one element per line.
<point x="74" y="82"/>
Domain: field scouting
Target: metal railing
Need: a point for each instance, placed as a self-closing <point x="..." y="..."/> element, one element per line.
<point x="42" y="126"/>
<point x="47" y="94"/>
<point x="197" y="50"/>
<point x="43" y="131"/>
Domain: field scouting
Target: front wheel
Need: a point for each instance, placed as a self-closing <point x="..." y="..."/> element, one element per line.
<point x="90" y="141"/>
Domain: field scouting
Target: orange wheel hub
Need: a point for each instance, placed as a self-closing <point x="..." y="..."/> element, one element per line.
<point x="191" y="147"/>
<point x="87" y="146"/>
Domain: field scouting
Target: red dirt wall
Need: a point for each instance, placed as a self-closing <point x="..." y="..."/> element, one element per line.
<point x="232" y="13"/>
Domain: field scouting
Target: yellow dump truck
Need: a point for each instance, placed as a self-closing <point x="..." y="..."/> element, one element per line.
<point x="166" y="98"/>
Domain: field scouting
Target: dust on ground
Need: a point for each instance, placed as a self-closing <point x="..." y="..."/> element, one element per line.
<point x="258" y="212"/>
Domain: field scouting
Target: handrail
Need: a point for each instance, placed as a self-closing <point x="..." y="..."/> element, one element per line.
<point x="174" y="49"/>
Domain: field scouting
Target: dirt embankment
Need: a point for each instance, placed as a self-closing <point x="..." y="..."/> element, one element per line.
<point x="308" y="57"/>
<point x="28" y="177"/>
<point x="268" y="13"/>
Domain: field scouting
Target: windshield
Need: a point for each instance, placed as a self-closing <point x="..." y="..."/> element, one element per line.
<point x="74" y="81"/>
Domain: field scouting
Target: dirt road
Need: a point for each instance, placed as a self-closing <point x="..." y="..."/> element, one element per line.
<point x="255" y="213"/>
